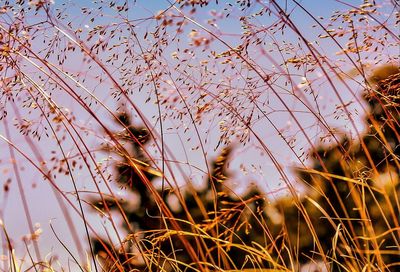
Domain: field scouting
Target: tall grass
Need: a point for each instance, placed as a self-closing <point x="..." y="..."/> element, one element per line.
<point x="303" y="106"/>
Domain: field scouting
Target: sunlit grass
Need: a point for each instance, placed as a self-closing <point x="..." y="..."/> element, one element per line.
<point x="99" y="101"/>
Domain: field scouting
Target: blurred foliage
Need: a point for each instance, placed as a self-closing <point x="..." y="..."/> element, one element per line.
<point x="349" y="210"/>
<point x="212" y="211"/>
<point x="352" y="198"/>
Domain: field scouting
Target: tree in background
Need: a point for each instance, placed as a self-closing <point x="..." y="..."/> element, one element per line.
<point x="218" y="225"/>
<point x="349" y="215"/>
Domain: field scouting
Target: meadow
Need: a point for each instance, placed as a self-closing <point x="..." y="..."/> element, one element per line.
<point x="197" y="135"/>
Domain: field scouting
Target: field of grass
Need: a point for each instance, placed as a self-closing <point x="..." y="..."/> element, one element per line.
<point x="197" y="135"/>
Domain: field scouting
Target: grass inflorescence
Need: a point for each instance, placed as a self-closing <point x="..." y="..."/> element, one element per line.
<point x="200" y="136"/>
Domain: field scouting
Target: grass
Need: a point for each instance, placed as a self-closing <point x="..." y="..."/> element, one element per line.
<point x="120" y="109"/>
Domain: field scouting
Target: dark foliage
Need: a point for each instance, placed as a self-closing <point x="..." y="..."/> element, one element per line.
<point x="214" y="210"/>
<point x="350" y="208"/>
<point x="352" y="200"/>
